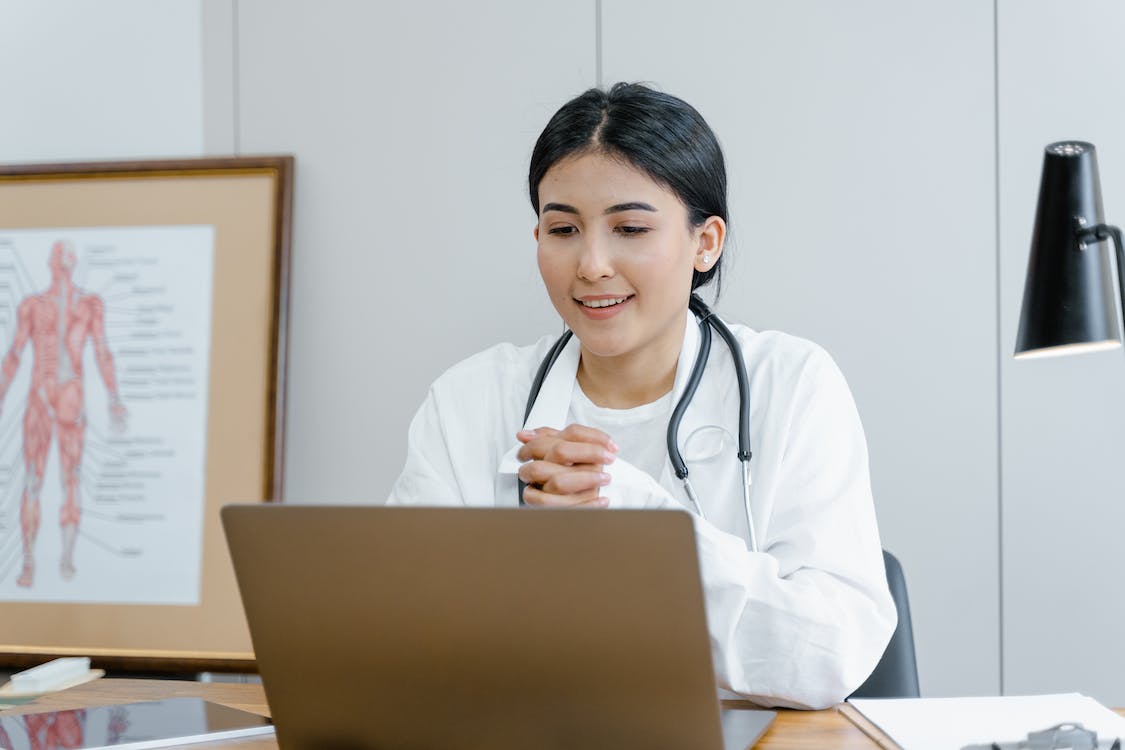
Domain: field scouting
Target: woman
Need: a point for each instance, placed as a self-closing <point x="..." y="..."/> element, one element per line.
<point x="629" y="189"/>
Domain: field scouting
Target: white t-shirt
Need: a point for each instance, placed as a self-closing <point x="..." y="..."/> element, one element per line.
<point x="639" y="432"/>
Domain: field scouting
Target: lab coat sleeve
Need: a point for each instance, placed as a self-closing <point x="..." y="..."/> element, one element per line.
<point x="428" y="476"/>
<point x="803" y="622"/>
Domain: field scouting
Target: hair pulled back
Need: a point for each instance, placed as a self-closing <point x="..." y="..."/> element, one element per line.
<point x="657" y="133"/>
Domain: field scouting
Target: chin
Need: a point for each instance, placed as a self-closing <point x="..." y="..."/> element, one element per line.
<point x="602" y="346"/>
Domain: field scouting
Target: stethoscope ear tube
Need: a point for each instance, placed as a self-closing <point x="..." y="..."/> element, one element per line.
<point x="702" y="310"/>
<point x="678" y="464"/>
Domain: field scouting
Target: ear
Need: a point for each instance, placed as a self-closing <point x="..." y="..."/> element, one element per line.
<point x="712" y="235"/>
<point x="535" y="232"/>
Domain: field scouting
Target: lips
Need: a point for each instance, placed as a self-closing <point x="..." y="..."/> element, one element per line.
<point x="601" y="307"/>
<point x="602" y="301"/>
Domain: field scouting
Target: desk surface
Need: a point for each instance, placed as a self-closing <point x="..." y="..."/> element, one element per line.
<point x="793" y="730"/>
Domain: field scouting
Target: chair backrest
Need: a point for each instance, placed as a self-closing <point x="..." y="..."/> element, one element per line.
<point x="896" y="674"/>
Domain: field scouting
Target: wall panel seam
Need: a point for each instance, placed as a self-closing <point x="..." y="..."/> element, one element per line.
<point x="236" y="83"/>
<point x="999" y="346"/>
<point x="598" y="43"/>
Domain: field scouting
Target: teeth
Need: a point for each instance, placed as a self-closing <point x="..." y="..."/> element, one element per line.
<point x="604" y="302"/>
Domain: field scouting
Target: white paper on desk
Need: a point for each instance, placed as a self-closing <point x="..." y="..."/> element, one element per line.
<point x="952" y="723"/>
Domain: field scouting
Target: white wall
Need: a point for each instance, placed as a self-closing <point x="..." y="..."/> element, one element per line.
<point x="116" y="79"/>
<point x="1063" y="420"/>
<point x="863" y="140"/>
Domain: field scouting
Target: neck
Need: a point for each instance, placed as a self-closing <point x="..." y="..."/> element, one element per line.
<point x="632" y="379"/>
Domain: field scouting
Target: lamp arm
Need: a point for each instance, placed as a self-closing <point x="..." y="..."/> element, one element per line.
<point x="1110" y="232"/>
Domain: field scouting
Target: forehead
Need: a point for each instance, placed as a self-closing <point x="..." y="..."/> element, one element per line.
<point x="597" y="180"/>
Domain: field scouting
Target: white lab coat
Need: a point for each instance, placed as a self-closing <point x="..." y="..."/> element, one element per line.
<point x="802" y="622"/>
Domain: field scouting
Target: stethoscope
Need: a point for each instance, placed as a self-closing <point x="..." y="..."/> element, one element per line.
<point x="707" y="321"/>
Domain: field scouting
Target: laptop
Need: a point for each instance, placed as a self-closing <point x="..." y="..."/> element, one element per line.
<point x="453" y="628"/>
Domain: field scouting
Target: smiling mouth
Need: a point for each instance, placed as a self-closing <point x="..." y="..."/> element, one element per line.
<point x="609" y="302"/>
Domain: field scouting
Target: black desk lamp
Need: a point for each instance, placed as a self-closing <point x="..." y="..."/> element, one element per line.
<point x="1069" y="304"/>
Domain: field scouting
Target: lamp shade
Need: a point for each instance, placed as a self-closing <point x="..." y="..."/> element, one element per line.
<point x="1069" y="302"/>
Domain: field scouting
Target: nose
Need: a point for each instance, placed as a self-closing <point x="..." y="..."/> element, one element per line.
<point x="594" y="261"/>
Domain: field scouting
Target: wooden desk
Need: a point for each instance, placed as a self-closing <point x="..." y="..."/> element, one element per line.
<point x="793" y="730"/>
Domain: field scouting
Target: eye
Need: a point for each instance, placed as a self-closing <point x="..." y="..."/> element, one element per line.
<point x="631" y="231"/>
<point x="563" y="231"/>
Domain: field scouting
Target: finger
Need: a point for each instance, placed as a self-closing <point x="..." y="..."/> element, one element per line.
<point x="540" y="498"/>
<point x="574" y="433"/>
<point x="528" y="452"/>
<point x="562" y="480"/>
<point x="564" y="453"/>
<point x="576" y="482"/>
<point x="582" y="477"/>
<point x="533" y="495"/>
<point x="525" y="436"/>
<point x="543" y="434"/>
<point x="569" y="453"/>
<point x="582" y="434"/>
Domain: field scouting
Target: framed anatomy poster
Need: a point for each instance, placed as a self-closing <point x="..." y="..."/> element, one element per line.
<point x="142" y="353"/>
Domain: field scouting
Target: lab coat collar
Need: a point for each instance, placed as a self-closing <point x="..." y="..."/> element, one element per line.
<point x="688" y="351"/>
<point x="553" y="403"/>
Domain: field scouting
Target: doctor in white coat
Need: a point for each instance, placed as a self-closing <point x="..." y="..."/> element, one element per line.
<point x="629" y="190"/>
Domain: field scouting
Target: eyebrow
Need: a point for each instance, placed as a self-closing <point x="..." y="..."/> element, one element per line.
<point x="634" y="206"/>
<point x="559" y="207"/>
<point x="614" y="209"/>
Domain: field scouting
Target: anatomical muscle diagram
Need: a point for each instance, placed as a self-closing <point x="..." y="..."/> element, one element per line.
<point x="57" y="323"/>
<point x="104" y="377"/>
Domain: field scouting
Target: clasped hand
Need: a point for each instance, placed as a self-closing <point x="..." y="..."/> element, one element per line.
<point x="565" y="468"/>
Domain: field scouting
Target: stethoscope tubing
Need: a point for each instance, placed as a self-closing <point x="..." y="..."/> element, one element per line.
<point x="705" y="314"/>
<point x="674" y="455"/>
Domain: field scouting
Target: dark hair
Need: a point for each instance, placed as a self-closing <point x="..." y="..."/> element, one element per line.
<point x="659" y="134"/>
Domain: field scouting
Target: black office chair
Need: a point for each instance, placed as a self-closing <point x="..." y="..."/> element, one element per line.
<point x="896" y="674"/>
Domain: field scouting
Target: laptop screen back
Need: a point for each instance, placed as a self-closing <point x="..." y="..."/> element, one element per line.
<point x="476" y="628"/>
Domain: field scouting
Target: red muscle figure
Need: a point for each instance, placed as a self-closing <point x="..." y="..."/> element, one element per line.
<point x="58" y="322"/>
<point x="58" y="730"/>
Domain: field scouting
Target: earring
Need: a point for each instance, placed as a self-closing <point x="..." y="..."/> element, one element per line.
<point x="706" y="259"/>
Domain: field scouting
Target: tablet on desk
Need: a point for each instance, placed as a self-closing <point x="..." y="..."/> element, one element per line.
<point x="130" y="726"/>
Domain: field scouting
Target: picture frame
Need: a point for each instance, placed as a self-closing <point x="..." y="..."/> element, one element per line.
<point x="178" y="332"/>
